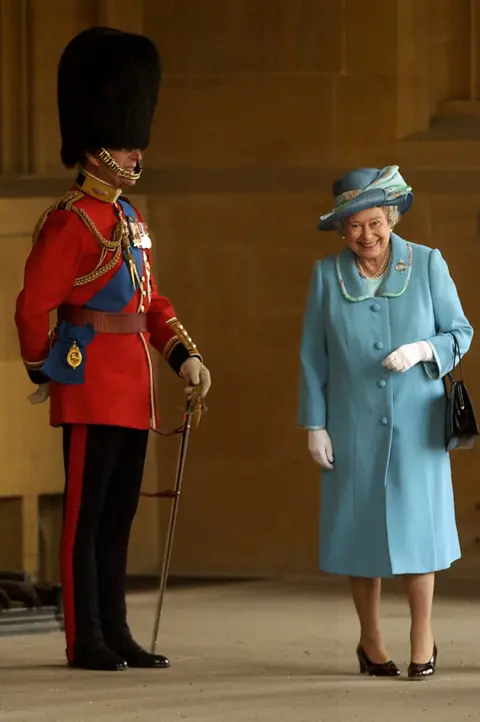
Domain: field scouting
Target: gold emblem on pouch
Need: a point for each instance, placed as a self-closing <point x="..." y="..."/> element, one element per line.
<point x="74" y="356"/>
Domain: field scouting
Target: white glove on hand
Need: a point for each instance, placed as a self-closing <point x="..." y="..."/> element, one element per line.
<point x="405" y="357"/>
<point x="320" y="447"/>
<point x="196" y="374"/>
<point x="40" y="395"/>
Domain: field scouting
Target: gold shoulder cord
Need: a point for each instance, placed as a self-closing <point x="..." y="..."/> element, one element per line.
<point x="115" y="245"/>
<point x="65" y="203"/>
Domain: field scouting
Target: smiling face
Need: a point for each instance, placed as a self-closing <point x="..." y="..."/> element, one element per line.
<point x="126" y="159"/>
<point x="368" y="233"/>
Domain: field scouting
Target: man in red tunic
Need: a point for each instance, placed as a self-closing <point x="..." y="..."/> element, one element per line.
<point x="91" y="263"/>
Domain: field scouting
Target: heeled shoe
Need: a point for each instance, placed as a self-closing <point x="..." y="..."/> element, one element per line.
<point x="420" y="671"/>
<point x="373" y="669"/>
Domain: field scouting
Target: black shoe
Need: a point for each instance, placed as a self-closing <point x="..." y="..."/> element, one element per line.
<point x="96" y="656"/>
<point x="420" y="671"/>
<point x="135" y="656"/>
<point x="384" y="669"/>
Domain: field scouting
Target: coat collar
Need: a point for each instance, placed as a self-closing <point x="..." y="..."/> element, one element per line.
<point x="395" y="282"/>
<point x="96" y="188"/>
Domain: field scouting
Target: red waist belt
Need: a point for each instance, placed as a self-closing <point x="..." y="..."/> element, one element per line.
<point x="103" y="322"/>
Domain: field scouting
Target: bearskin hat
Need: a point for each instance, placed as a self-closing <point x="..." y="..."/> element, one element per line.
<point x="107" y="91"/>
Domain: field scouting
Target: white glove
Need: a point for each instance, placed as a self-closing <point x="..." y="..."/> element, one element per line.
<point x="320" y="447"/>
<point x="40" y="395"/>
<point x="405" y="357"/>
<point x="196" y="374"/>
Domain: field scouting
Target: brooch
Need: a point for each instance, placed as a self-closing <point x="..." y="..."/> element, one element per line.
<point x="401" y="266"/>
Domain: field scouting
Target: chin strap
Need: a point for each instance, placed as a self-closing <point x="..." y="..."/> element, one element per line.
<point x="112" y="164"/>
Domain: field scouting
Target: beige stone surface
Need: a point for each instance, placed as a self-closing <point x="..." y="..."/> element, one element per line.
<point x="254" y="652"/>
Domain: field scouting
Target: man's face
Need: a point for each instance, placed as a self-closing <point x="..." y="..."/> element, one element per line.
<point x="127" y="159"/>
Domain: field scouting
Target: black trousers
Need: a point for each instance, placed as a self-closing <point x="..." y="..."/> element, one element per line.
<point x="103" y="469"/>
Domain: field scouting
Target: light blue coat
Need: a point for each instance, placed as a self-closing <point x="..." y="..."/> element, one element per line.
<point x="388" y="506"/>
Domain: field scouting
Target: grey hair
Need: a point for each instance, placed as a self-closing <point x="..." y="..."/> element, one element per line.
<point x="391" y="212"/>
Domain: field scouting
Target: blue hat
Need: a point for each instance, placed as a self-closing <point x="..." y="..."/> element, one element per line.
<point x="367" y="188"/>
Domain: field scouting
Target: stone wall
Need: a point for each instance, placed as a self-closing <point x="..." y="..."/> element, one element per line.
<point x="263" y="104"/>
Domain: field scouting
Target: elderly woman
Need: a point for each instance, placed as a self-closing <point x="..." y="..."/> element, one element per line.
<point x="377" y="342"/>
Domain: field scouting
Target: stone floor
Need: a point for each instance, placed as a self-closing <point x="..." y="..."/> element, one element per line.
<point x="258" y="651"/>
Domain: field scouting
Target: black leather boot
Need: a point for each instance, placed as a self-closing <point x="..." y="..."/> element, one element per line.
<point x="96" y="656"/>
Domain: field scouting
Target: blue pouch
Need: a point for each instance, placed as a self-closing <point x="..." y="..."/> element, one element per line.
<point x="65" y="363"/>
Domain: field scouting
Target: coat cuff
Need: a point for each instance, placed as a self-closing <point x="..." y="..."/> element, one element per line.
<point x="37" y="377"/>
<point x="180" y="347"/>
<point x="433" y="368"/>
<point x="34" y="373"/>
<point x="178" y="355"/>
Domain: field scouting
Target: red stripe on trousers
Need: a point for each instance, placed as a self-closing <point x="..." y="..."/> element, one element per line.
<point x="76" y="465"/>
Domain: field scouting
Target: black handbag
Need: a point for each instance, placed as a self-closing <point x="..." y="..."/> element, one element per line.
<point x="461" y="424"/>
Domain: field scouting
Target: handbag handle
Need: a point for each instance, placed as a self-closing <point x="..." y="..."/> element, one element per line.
<point x="456" y="352"/>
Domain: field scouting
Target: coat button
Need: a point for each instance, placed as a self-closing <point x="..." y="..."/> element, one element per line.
<point x="381" y="384"/>
<point x="378" y="345"/>
<point x="384" y="421"/>
<point x="375" y="307"/>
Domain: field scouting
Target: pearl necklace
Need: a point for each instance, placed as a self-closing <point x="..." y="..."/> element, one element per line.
<point x="377" y="273"/>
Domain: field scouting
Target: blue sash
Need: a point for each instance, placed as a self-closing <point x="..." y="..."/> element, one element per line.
<point x="118" y="292"/>
<point x="111" y="298"/>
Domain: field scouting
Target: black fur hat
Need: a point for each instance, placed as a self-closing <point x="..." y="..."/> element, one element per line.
<point x="107" y="91"/>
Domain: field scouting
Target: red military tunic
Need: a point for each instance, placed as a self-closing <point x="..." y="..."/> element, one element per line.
<point x="72" y="259"/>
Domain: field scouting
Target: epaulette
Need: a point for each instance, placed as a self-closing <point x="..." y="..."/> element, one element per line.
<point x="64" y="204"/>
<point x="67" y="203"/>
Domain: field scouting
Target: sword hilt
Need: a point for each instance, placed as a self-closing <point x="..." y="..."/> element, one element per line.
<point x="195" y="406"/>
